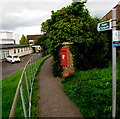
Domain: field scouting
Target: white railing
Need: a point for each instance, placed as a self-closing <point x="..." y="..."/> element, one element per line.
<point x="28" y="76"/>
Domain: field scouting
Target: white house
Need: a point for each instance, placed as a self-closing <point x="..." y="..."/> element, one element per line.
<point x="14" y="49"/>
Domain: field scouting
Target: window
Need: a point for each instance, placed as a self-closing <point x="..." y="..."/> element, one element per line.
<point x="31" y="43"/>
<point x="15" y="56"/>
<point x="0" y="55"/>
<point x="10" y="56"/>
<point x="7" y="53"/>
<point x="14" y="51"/>
<point x="3" y="56"/>
<point x="18" y="50"/>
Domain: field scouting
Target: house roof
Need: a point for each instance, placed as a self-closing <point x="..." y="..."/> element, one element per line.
<point x="109" y="14"/>
<point x="8" y="39"/>
<point x="7" y="46"/>
<point x="6" y="32"/>
<point x="32" y="37"/>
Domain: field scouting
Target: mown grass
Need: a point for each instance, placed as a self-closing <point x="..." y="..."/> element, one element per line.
<point x="91" y="91"/>
<point x="9" y="86"/>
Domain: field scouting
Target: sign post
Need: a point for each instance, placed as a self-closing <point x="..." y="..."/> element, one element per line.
<point x="107" y="25"/>
<point x="113" y="65"/>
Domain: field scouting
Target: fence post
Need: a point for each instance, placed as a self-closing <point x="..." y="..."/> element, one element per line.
<point x="23" y="102"/>
<point x="26" y="79"/>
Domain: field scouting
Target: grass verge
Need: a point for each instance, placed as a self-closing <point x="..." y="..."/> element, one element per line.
<point x="9" y="86"/>
<point x="91" y="91"/>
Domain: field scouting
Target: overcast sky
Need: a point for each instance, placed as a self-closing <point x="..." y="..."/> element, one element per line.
<point x="26" y="16"/>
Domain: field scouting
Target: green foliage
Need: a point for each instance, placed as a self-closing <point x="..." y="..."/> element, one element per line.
<point x="9" y="86"/>
<point x="35" y="99"/>
<point x="57" y="68"/>
<point x="118" y="24"/>
<point x="41" y="40"/>
<point x="74" y="24"/>
<point x="91" y="91"/>
<point x="91" y="54"/>
<point x="118" y="27"/>
<point x="24" y="40"/>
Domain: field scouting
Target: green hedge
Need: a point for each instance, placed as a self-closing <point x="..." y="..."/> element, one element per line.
<point x="57" y="68"/>
<point x="91" y="54"/>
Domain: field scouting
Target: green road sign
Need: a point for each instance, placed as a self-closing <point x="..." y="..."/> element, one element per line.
<point x="103" y="26"/>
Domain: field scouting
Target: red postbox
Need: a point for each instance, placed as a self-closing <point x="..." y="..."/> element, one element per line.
<point x="63" y="55"/>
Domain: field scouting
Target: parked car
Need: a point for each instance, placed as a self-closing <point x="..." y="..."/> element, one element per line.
<point x="13" y="58"/>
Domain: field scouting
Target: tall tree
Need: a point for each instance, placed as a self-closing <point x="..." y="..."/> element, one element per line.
<point x="24" y="40"/>
<point x="74" y="24"/>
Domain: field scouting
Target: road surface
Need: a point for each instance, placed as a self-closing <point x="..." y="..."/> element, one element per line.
<point x="7" y="69"/>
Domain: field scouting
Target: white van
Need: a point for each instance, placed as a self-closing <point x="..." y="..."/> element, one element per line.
<point x="13" y="58"/>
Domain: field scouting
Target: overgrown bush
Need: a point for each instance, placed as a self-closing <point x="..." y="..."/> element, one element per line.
<point x="93" y="54"/>
<point x="57" y="68"/>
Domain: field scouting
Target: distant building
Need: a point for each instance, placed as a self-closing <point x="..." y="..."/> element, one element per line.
<point x="31" y="38"/>
<point x="7" y="37"/>
<point x="17" y="38"/>
<point x="109" y="14"/>
<point x="9" y="45"/>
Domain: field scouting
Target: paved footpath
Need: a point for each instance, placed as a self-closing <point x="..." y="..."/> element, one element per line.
<point x="53" y="101"/>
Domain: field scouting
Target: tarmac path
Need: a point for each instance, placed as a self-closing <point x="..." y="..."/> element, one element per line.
<point x="53" y="101"/>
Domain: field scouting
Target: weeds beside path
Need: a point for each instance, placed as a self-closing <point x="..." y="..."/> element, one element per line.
<point x="53" y="100"/>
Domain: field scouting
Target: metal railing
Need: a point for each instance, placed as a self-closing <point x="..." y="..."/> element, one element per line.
<point x="28" y="76"/>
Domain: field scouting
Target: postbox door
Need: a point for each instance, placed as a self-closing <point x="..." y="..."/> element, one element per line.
<point x="63" y="57"/>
